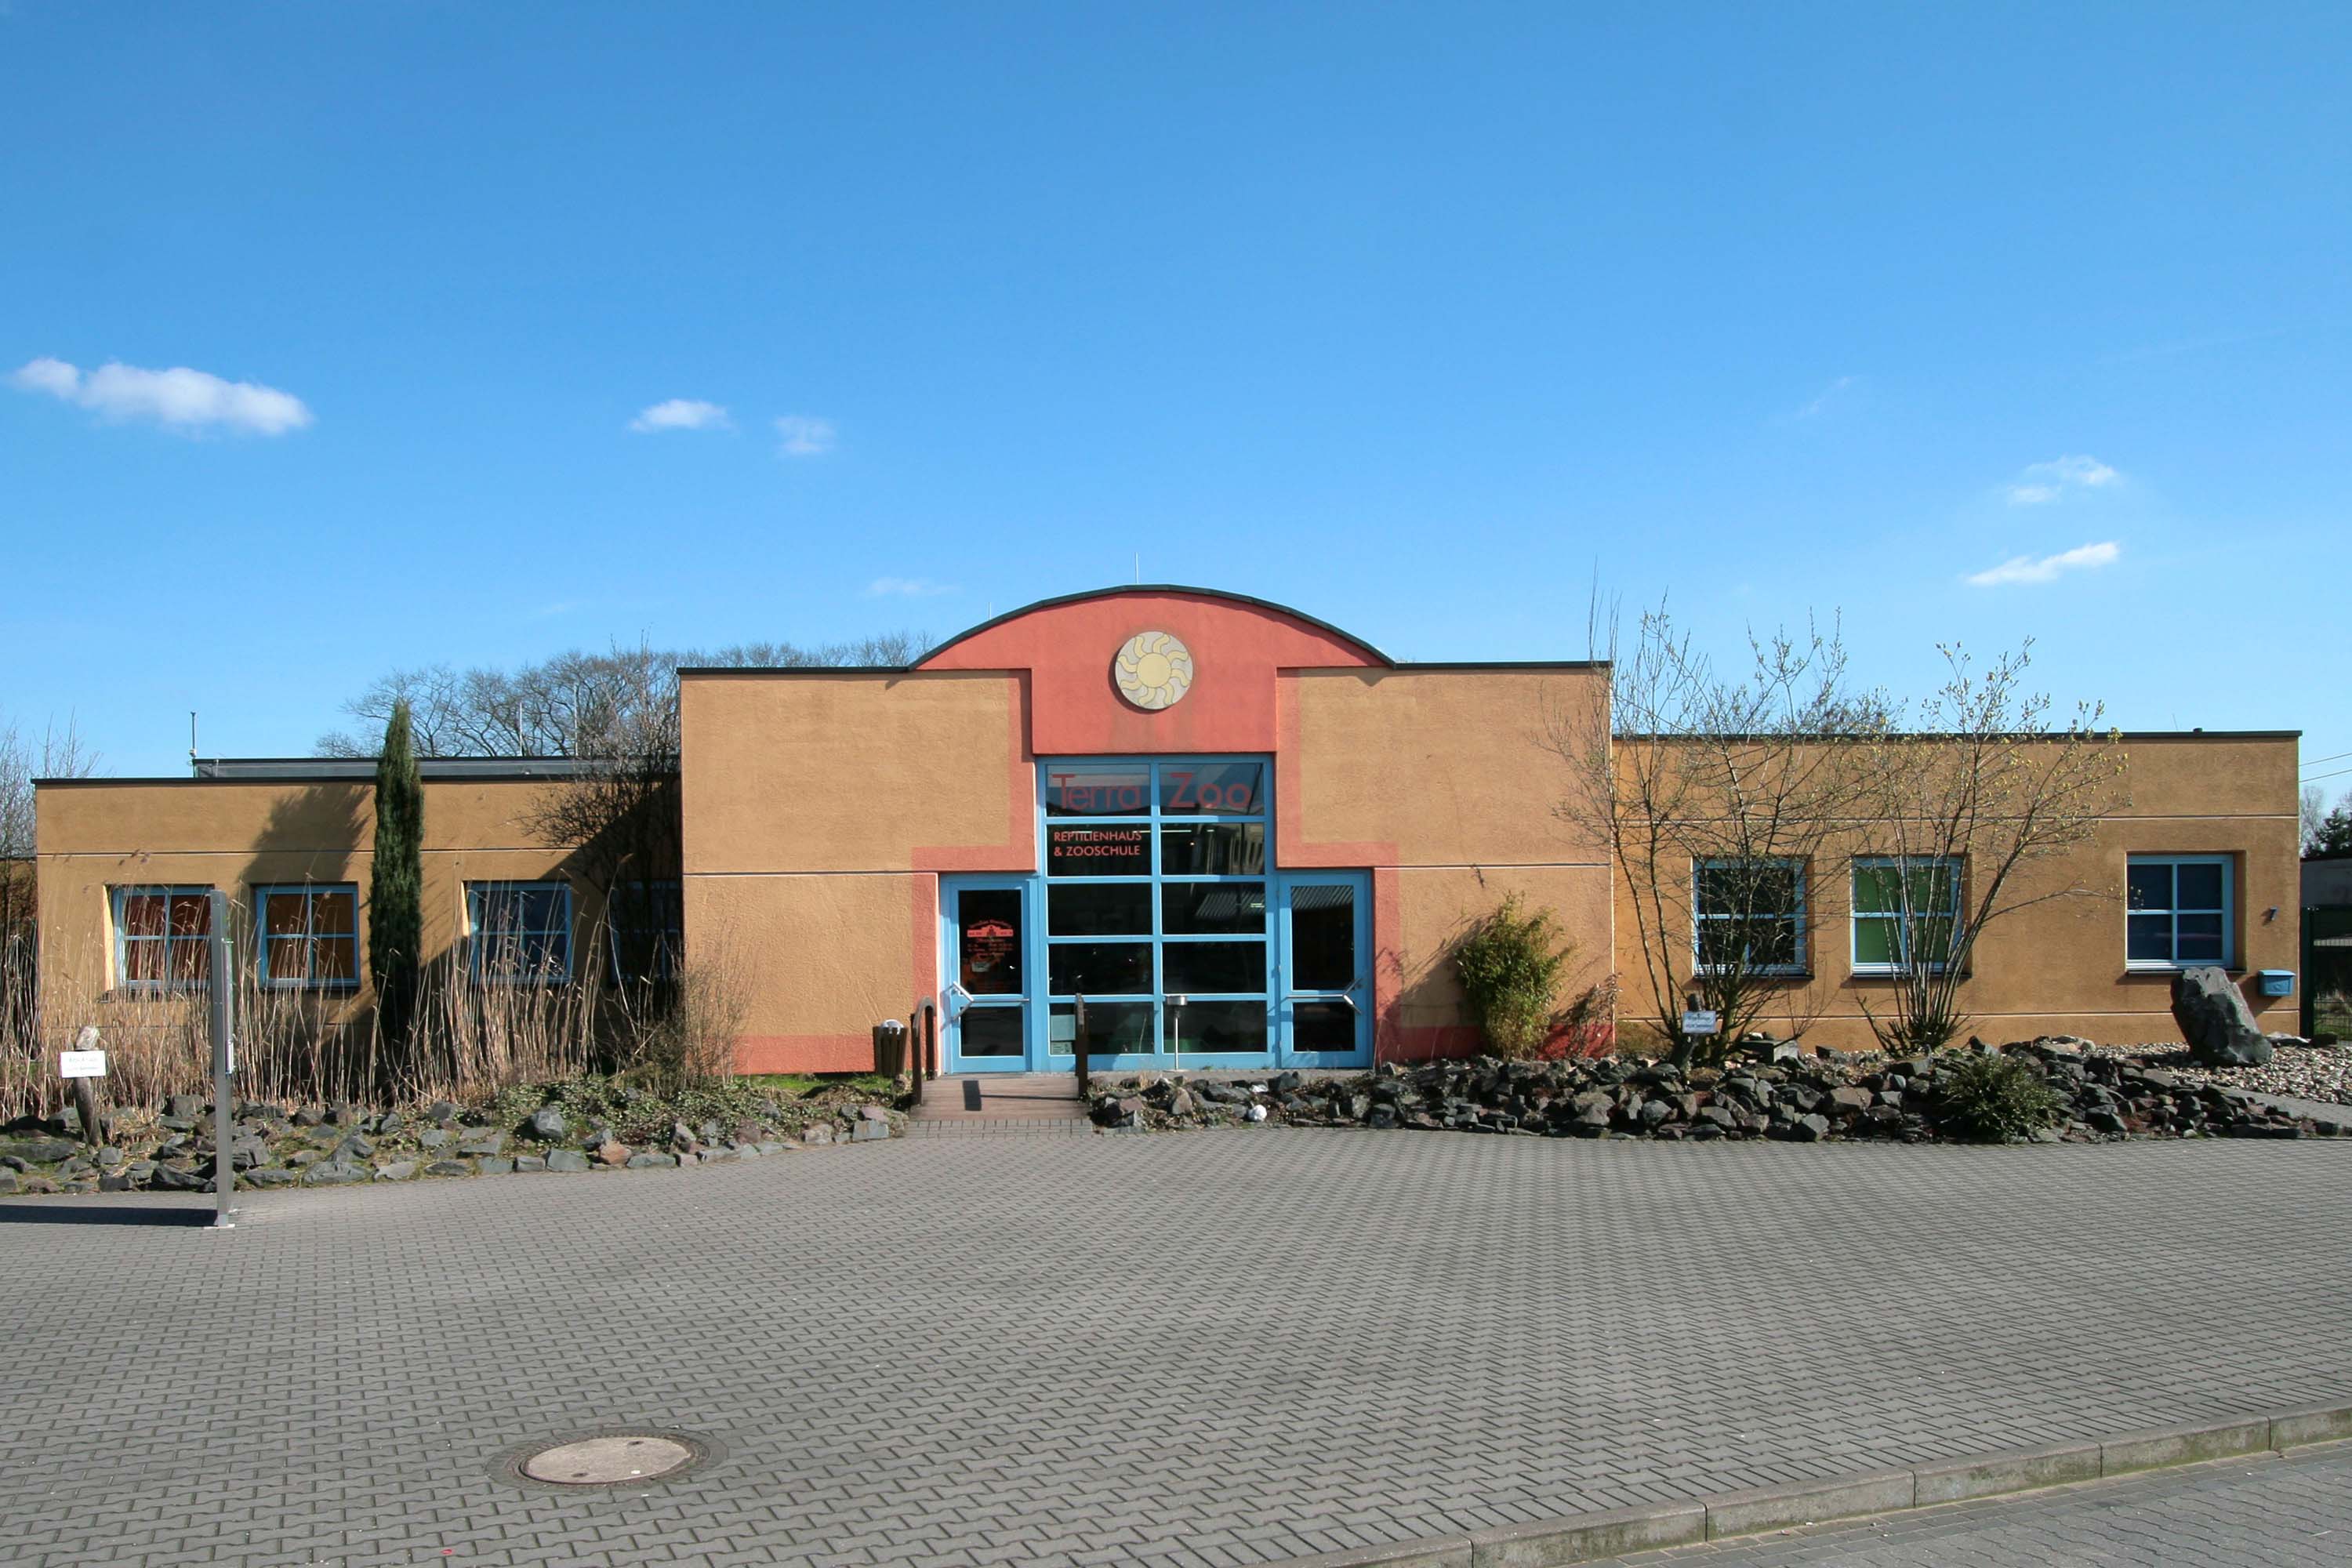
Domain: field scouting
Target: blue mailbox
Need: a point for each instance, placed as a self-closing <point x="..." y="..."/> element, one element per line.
<point x="2278" y="982"/>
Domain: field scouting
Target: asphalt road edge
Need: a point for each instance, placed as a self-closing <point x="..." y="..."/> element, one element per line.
<point x="1593" y="1537"/>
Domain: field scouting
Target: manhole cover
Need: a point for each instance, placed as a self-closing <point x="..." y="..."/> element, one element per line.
<point x="614" y="1458"/>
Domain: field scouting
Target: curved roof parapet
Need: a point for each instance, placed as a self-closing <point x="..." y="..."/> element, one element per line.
<point x="1127" y="590"/>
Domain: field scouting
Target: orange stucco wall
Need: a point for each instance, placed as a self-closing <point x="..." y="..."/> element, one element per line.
<point x="235" y="835"/>
<point x="2058" y="967"/>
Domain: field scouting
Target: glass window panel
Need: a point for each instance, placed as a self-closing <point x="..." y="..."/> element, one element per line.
<point x="989" y="941"/>
<point x="1112" y="851"/>
<point x="192" y="961"/>
<point x="1098" y="791"/>
<point x="2197" y="946"/>
<point x="1188" y="966"/>
<point x="335" y="960"/>
<point x="1935" y="888"/>
<point x="1931" y="937"/>
<point x="144" y="914"/>
<point x="1772" y="944"/>
<point x="1109" y="968"/>
<point x="192" y="914"/>
<point x="1212" y="909"/>
<point x="1323" y="937"/>
<point x="1873" y="941"/>
<point x="2197" y="886"/>
<point x="1212" y="789"/>
<point x="1214" y="850"/>
<point x="1112" y="1029"/>
<point x="1098" y="908"/>
<point x="334" y="912"/>
<point x="993" y="1031"/>
<point x="2150" y="887"/>
<point x="2149" y="939"/>
<point x="285" y="914"/>
<point x="1874" y="890"/>
<point x="1322" y="1027"/>
<point x="143" y="961"/>
<point x="289" y="958"/>
<point x="1215" y="1027"/>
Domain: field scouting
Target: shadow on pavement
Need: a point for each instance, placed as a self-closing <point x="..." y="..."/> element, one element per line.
<point x="53" y="1213"/>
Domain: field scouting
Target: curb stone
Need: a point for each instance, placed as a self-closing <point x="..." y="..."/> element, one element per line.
<point x="1593" y="1537"/>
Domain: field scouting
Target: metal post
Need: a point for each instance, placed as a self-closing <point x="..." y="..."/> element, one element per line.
<point x="930" y="1039"/>
<point x="1079" y="1043"/>
<point x="914" y="1054"/>
<point x="220" y="986"/>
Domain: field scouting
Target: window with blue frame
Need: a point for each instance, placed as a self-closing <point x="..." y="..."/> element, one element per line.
<point x="162" y="938"/>
<point x="518" y="934"/>
<point x="2178" y="911"/>
<point x="309" y="936"/>
<point x="1155" y="884"/>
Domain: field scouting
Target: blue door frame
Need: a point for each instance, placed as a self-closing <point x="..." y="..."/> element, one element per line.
<point x="1318" y="997"/>
<point x="982" y="1023"/>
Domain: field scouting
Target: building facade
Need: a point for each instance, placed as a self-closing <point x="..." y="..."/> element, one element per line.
<point x="1244" y="837"/>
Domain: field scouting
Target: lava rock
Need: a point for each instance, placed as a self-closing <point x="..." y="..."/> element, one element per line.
<point x="451" y="1168"/>
<point x="566" y="1160"/>
<point x="649" y="1161"/>
<point x="547" y="1124"/>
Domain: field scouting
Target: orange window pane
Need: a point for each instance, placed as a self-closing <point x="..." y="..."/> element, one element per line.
<point x="334" y="959"/>
<point x="332" y="914"/>
<point x="192" y="915"/>
<point x="143" y="961"/>
<point x="192" y="961"/>
<point x="282" y="914"/>
<point x="289" y="958"/>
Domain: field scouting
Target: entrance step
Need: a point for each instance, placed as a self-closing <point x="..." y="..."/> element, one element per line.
<point x="1000" y="1102"/>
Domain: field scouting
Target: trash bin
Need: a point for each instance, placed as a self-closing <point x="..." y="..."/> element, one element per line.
<point x="889" y="1049"/>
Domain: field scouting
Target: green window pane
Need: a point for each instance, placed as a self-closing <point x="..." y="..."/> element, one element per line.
<point x="1874" y="942"/>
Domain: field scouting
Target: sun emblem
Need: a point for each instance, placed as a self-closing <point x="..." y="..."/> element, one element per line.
<point x="1153" y="669"/>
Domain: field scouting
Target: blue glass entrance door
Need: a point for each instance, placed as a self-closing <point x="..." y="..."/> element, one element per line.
<point x="1327" y="976"/>
<point x="985" y="927"/>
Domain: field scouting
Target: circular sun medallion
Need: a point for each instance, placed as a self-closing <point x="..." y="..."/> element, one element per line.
<point x="1152" y="669"/>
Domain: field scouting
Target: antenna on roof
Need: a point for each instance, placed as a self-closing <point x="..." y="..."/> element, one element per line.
<point x="1138" y="567"/>
<point x="192" y="741"/>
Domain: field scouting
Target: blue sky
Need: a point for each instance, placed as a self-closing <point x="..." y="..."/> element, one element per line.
<point x="1420" y="318"/>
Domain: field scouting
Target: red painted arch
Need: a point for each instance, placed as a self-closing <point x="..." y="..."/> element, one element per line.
<point x="1238" y="645"/>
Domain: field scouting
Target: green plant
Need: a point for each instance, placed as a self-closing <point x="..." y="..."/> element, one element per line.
<point x="396" y="883"/>
<point x="1510" y="966"/>
<point x="1995" y="1097"/>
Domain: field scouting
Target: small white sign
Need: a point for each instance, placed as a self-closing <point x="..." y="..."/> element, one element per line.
<point x="1699" y="1022"/>
<point x="82" y="1063"/>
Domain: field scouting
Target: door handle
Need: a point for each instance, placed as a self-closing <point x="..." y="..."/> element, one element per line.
<point x="958" y="999"/>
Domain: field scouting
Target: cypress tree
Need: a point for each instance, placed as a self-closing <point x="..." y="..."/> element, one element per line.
<point x="396" y="883"/>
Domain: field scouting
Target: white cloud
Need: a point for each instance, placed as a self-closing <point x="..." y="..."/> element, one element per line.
<point x="907" y="587"/>
<point x="180" y="397"/>
<point x="2048" y="568"/>
<point x="2043" y="483"/>
<point x="803" y="436"/>
<point x="682" y="414"/>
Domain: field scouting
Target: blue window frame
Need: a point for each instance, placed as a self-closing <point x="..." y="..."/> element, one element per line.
<point x="2178" y="911"/>
<point x="1906" y="910"/>
<point x="309" y="936"/>
<point x="162" y="938"/>
<point x="518" y="934"/>
<point x="1156" y="873"/>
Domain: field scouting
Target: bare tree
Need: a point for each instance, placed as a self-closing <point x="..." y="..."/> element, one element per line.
<point x="1715" y="796"/>
<point x="56" y="754"/>
<point x="576" y="704"/>
<point x="1964" y="804"/>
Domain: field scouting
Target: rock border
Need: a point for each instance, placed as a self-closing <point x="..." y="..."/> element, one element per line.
<point x="1593" y="1537"/>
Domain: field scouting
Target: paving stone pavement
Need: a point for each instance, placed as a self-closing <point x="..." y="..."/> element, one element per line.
<point x="2294" y="1512"/>
<point x="1191" y="1349"/>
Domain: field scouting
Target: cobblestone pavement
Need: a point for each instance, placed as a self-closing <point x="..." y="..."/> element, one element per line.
<point x="1181" y="1349"/>
<point x="2292" y="1512"/>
